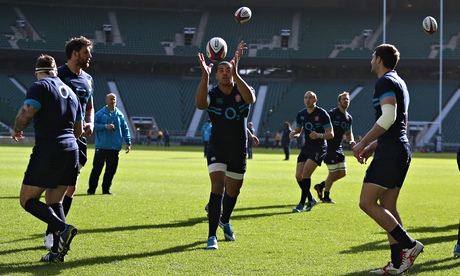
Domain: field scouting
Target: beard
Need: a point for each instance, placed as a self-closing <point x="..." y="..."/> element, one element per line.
<point x="82" y="63"/>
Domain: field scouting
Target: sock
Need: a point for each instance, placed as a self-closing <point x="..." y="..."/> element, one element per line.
<point x="44" y="213"/>
<point x="402" y="237"/>
<point x="66" y="203"/>
<point x="396" y="254"/>
<point x="59" y="211"/>
<point x="229" y="204"/>
<point x="308" y="186"/>
<point x="305" y="186"/>
<point x="326" y="194"/>
<point x="310" y="196"/>
<point x="322" y="184"/>
<point x="300" y="184"/>
<point x="214" y="213"/>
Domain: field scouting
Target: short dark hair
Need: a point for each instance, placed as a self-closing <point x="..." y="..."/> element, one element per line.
<point x="45" y="63"/>
<point x="75" y="44"/>
<point x="389" y="55"/>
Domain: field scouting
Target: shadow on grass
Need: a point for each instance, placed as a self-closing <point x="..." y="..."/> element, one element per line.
<point x="34" y="268"/>
<point x="178" y="224"/>
<point x="420" y="266"/>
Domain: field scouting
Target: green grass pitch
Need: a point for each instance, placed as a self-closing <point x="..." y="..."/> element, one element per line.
<point x="155" y="223"/>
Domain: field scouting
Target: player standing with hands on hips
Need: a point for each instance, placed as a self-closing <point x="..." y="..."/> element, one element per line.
<point x="53" y="164"/>
<point x="388" y="141"/>
<point x="228" y="105"/>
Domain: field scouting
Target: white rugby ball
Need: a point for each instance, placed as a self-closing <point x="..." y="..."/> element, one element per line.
<point x="429" y="25"/>
<point x="216" y="49"/>
<point x="243" y="14"/>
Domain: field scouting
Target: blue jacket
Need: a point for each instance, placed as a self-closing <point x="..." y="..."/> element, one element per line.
<point x="111" y="139"/>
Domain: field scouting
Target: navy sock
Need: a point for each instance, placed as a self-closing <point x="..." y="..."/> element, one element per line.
<point x="59" y="211"/>
<point x="215" y="201"/>
<point x="396" y="254"/>
<point x="323" y="184"/>
<point x="229" y="204"/>
<point x="402" y="237"/>
<point x="44" y="213"/>
<point x="66" y="203"/>
<point x="326" y="194"/>
<point x="307" y="182"/>
<point x="303" y="194"/>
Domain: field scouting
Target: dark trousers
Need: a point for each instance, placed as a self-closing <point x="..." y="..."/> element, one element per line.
<point x="287" y="150"/>
<point x="110" y="158"/>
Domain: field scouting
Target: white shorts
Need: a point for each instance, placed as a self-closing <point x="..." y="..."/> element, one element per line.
<point x="221" y="167"/>
<point x="342" y="166"/>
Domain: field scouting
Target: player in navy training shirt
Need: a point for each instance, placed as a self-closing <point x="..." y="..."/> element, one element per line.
<point x="227" y="105"/>
<point x="317" y="127"/>
<point x="53" y="164"/>
<point x="335" y="158"/>
<point x="388" y="141"/>
<point x="78" y="52"/>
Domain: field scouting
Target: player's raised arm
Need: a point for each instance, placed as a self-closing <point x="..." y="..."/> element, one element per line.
<point x="201" y="98"/>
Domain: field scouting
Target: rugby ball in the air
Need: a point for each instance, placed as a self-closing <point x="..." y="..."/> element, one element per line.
<point x="216" y="49"/>
<point x="243" y="14"/>
<point x="429" y="25"/>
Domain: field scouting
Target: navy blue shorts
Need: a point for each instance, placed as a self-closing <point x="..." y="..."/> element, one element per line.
<point x="315" y="153"/>
<point x="234" y="159"/>
<point x="334" y="157"/>
<point x="49" y="169"/>
<point x="390" y="164"/>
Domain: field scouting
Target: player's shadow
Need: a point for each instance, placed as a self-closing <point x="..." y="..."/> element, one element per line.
<point x="440" y="265"/>
<point x="34" y="268"/>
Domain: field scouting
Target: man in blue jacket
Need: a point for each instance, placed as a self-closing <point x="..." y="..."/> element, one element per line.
<point x="111" y="131"/>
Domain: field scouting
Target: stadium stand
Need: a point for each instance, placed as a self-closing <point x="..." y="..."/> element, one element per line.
<point x="154" y="32"/>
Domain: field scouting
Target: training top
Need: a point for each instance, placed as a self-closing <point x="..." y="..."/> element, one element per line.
<point x="228" y="114"/>
<point x="316" y="121"/>
<point x="81" y="84"/>
<point x="341" y="123"/>
<point x="391" y="85"/>
<point x="58" y="110"/>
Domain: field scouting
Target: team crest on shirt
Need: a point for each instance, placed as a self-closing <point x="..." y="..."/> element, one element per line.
<point x="238" y="98"/>
<point x="316" y="118"/>
<point x="220" y="101"/>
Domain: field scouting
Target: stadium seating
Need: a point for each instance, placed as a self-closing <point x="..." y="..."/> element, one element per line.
<point x="317" y="40"/>
<point x="171" y="99"/>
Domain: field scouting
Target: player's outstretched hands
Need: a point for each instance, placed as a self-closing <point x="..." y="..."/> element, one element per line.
<point x="205" y="69"/>
<point x="241" y="47"/>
